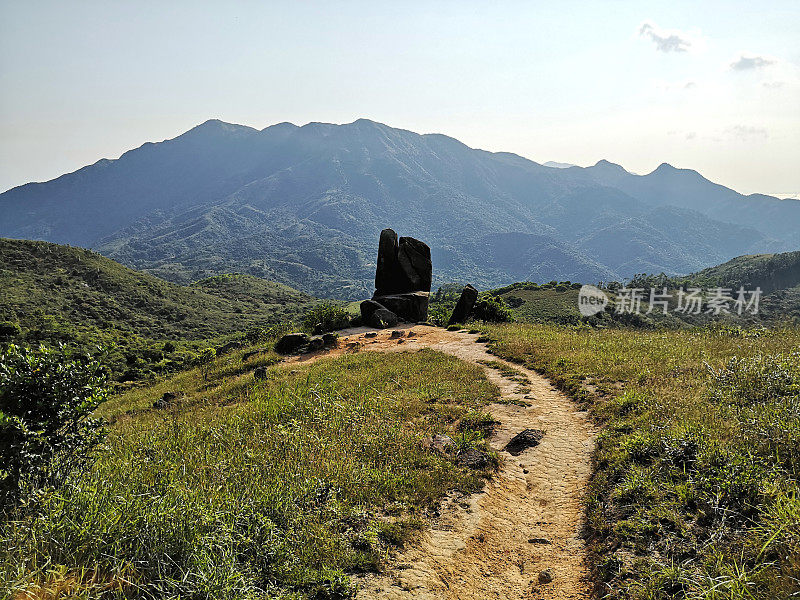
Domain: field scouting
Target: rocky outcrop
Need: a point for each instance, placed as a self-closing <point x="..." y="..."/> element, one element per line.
<point x="411" y="306"/>
<point x="297" y="343"/>
<point x="464" y="305"/>
<point x="402" y="281"/>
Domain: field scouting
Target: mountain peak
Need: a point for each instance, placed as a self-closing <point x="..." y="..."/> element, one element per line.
<point x="212" y="126"/>
<point x="605" y="164"/>
<point x="665" y="168"/>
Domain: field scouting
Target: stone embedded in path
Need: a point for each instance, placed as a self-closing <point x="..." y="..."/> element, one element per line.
<point x="315" y="344"/>
<point x="527" y="438"/>
<point x="473" y="458"/>
<point x="464" y="305"/>
<point x="331" y="340"/>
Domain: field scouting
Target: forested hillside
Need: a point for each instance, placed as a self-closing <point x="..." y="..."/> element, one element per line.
<point x="304" y="205"/>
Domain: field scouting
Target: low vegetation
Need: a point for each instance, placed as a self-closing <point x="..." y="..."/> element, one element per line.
<point x="46" y="429"/>
<point x="695" y="492"/>
<point x="252" y="479"/>
<point x="59" y="294"/>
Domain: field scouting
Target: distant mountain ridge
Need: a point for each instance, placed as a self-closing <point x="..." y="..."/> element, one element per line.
<point x="303" y="206"/>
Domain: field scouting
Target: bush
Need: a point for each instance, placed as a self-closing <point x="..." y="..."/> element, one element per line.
<point x="46" y="431"/>
<point x="325" y="317"/>
<point x="492" y="310"/>
<point x="9" y="330"/>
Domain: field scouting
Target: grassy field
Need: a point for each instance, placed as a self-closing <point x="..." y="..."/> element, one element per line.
<point x="534" y="306"/>
<point x="695" y="491"/>
<point x="272" y="487"/>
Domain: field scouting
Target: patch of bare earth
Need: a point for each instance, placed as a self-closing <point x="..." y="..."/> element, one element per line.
<point x="526" y="521"/>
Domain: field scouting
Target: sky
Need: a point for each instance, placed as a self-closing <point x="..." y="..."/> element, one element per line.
<point x="711" y="86"/>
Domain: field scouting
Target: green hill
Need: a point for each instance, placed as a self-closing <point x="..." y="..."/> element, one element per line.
<point x="778" y="276"/>
<point x="54" y="293"/>
<point x="770" y="272"/>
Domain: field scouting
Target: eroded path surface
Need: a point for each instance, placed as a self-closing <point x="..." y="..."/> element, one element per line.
<point x="528" y="519"/>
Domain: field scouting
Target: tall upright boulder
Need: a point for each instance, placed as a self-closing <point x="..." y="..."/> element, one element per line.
<point x="464" y="305"/>
<point x="402" y="278"/>
<point x="388" y="276"/>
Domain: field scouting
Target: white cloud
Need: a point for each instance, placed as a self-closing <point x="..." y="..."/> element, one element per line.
<point x="747" y="132"/>
<point x="667" y="40"/>
<point x="747" y="63"/>
<point x="772" y="85"/>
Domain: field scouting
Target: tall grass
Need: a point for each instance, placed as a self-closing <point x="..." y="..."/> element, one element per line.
<point x="695" y="490"/>
<point x="245" y="488"/>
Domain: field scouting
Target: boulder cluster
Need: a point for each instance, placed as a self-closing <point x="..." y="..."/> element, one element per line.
<point x="296" y="343"/>
<point x="402" y="290"/>
<point x="402" y="282"/>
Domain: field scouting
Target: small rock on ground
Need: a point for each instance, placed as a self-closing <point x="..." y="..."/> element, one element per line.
<point x="526" y="438"/>
<point x="473" y="458"/>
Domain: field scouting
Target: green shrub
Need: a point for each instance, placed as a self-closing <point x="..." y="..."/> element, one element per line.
<point x="46" y="431"/>
<point x="325" y="317"/>
<point x="492" y="310"/>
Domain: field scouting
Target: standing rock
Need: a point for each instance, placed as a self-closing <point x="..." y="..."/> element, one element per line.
<point x="402" y="278"/>
<point x="464" y="305"/>
<point x="388" y="275"/>
<point x="414" y="258"/>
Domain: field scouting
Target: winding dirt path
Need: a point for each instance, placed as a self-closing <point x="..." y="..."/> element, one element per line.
<point x="528" y="519"/>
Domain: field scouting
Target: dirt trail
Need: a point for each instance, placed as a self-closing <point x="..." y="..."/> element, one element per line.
<point x="494" y="544"/>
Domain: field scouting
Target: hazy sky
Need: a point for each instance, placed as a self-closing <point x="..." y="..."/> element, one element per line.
<point x="713" y="86"/>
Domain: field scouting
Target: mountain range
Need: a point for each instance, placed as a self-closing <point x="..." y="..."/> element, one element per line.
<point x="304" y="205"/>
